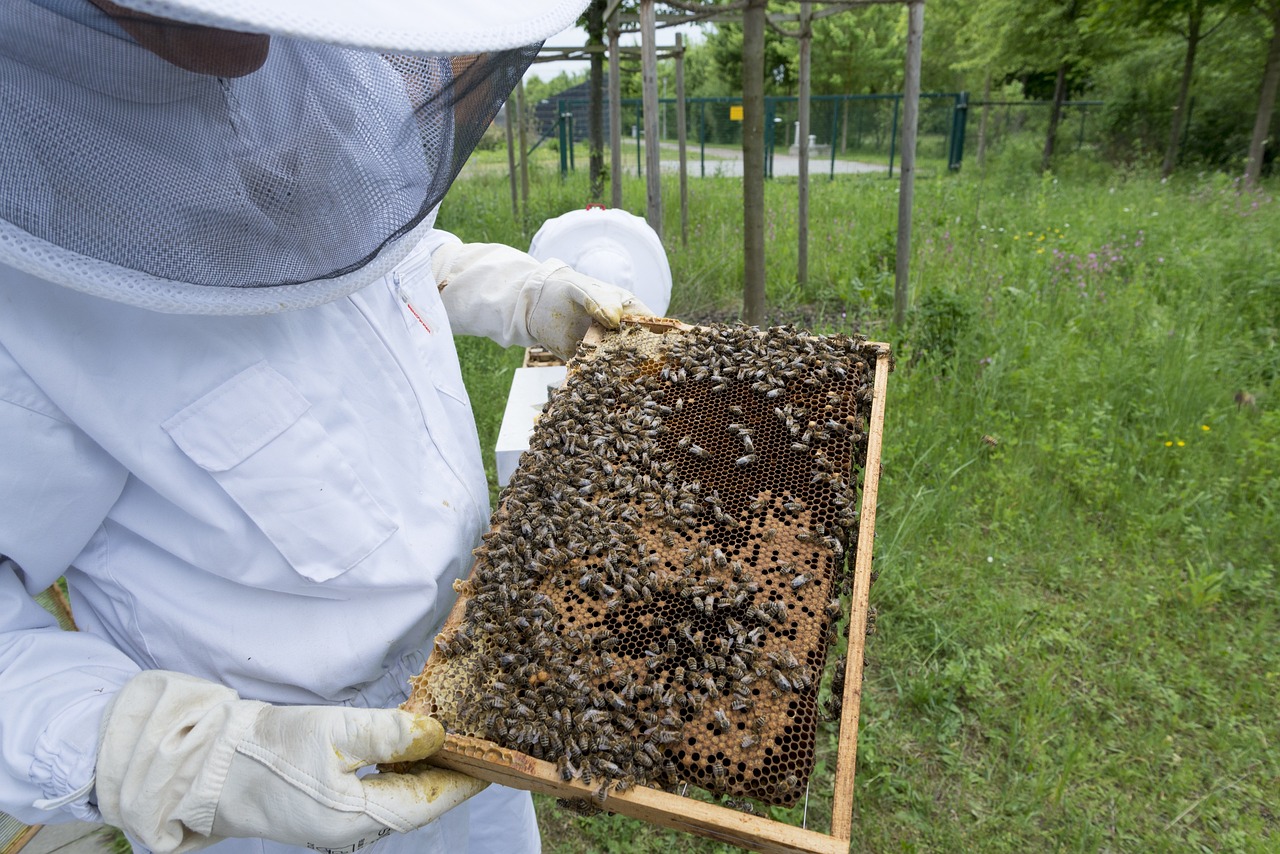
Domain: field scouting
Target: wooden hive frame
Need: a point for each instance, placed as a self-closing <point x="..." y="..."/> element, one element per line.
<point x="492" y="762"/>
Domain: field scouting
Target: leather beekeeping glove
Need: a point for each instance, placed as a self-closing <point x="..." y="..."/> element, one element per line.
<point x="183" y="762"/>
<point x="509" y="296"/>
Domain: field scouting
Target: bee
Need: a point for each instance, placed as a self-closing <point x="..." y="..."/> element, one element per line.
<point x="799" y="581"/>
<point x="778" y="679"/>
<point x="749" y="741"/>
<point x="745" y="460"/>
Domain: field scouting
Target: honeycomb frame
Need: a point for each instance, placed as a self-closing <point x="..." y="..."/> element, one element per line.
<point x="744" y="549"/>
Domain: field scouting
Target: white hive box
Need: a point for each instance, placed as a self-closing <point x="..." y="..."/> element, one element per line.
<point x="529" y="392"/>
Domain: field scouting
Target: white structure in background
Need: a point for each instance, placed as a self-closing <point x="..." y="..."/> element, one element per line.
<point x="611" y="245"/>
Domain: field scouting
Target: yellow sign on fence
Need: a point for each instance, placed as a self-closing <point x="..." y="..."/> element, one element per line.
<point x="735" y="112"/>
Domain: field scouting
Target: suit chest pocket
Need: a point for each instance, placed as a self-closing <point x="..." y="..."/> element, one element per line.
<point x="255" y="435"/>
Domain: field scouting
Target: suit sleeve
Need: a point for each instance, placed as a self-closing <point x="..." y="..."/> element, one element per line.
<point x="56" y="487"/>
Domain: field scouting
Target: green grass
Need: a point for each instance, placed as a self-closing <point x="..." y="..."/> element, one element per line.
<point x="1078" y="641"/>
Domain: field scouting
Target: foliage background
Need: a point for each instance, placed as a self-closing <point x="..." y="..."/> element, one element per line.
<point x="1126" y="53"/>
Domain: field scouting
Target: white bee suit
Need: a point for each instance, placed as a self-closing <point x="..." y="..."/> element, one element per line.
<point x="231" y="411"/>
<point x="277" y="503"/>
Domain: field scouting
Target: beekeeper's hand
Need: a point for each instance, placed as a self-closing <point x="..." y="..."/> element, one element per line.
<point x="502" y="293"/>
<point x="183" y="763"/>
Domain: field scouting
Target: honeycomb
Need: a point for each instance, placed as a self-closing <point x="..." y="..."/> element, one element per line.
<point x="656" y="597"/>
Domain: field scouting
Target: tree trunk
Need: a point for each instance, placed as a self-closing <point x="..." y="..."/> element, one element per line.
<point x="615" y="118"/>
<point x="802" y="210"/>
<point x="1266" y="103"/>
<point x="907" y="177"/>
<point x="649" y="105"/>
<point x="753" y="290"/>
<point x="595" y="108"/>
<point x="1194" y="21"/>
<point x="1055" y="115"/>
<point x="682" y="138"/>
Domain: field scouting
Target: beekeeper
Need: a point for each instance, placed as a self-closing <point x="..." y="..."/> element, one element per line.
<point x="231" y="410"/>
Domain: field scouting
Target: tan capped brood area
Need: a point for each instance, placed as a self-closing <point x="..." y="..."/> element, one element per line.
<point x="656" y="597"/>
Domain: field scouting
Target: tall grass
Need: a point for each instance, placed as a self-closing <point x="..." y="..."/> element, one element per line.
<point x="1078" y="640"/>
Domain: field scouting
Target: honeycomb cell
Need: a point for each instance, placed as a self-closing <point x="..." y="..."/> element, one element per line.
<point x="652" y="601"/>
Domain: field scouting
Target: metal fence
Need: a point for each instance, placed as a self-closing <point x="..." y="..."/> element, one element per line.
<point x="998" y="127"/>
<point x="848" y="133"/>
<point x="844" y="130"/>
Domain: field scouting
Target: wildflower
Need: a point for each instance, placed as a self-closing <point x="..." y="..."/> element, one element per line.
<point x="1181" y="444"/>
<point x="1169" y="444"/>
<point x="1204" y="427"/>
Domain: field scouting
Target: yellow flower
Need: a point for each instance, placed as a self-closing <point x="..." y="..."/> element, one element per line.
<point x="1017" y="237"/>
<point x="1181" y="444"/>
<point x="1168" y="444"/>
<point x="1204" y="427"/>
<point x="1040" y="251"/>
<point x="1040" y="238"/>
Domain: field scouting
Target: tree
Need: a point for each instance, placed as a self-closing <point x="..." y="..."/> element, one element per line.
<point x="1192" y="21"/>
<point x="1034" y="39"/>
<point x="1266" y="98"/>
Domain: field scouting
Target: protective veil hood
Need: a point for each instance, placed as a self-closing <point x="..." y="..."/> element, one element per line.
<point x="286" y="183"/>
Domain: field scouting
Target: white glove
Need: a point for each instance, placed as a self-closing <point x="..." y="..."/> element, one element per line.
<point x="498" y="292"/>
<point x="183" y="762"/>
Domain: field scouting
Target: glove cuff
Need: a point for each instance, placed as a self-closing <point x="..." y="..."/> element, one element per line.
<point x="166" y="745"/>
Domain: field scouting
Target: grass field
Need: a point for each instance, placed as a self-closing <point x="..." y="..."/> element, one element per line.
<point x="1078" y="642"/>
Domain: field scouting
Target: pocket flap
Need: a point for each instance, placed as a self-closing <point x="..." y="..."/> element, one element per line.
<point x="239" y="417"/>
<point x="256" y="436"/>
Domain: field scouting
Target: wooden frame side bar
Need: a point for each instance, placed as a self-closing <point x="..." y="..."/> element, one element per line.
<point x="847" y="748"/>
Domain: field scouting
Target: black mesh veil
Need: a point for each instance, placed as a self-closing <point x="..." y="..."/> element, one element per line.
<point x="273" y="163"/>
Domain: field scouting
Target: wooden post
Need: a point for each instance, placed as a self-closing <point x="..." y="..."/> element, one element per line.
<point x="753" y="290"/>
<point x="802" y="227"/>
<point x="681" y="136"/>
<point x="511" y="160"/>
<point x="910" y="119"/>
<point x="615" y="118"/>
<point x="649" y="99"/>
<point x="524" y="154"/>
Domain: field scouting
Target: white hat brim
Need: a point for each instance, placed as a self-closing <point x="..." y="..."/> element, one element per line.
<point x="394" y="26"/>
<point x="639" y="261"/>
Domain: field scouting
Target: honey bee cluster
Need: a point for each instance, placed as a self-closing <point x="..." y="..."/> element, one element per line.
<point x="657" y="594"/>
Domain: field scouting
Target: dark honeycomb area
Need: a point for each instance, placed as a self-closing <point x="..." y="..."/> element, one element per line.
<point x="658" y="592"/>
